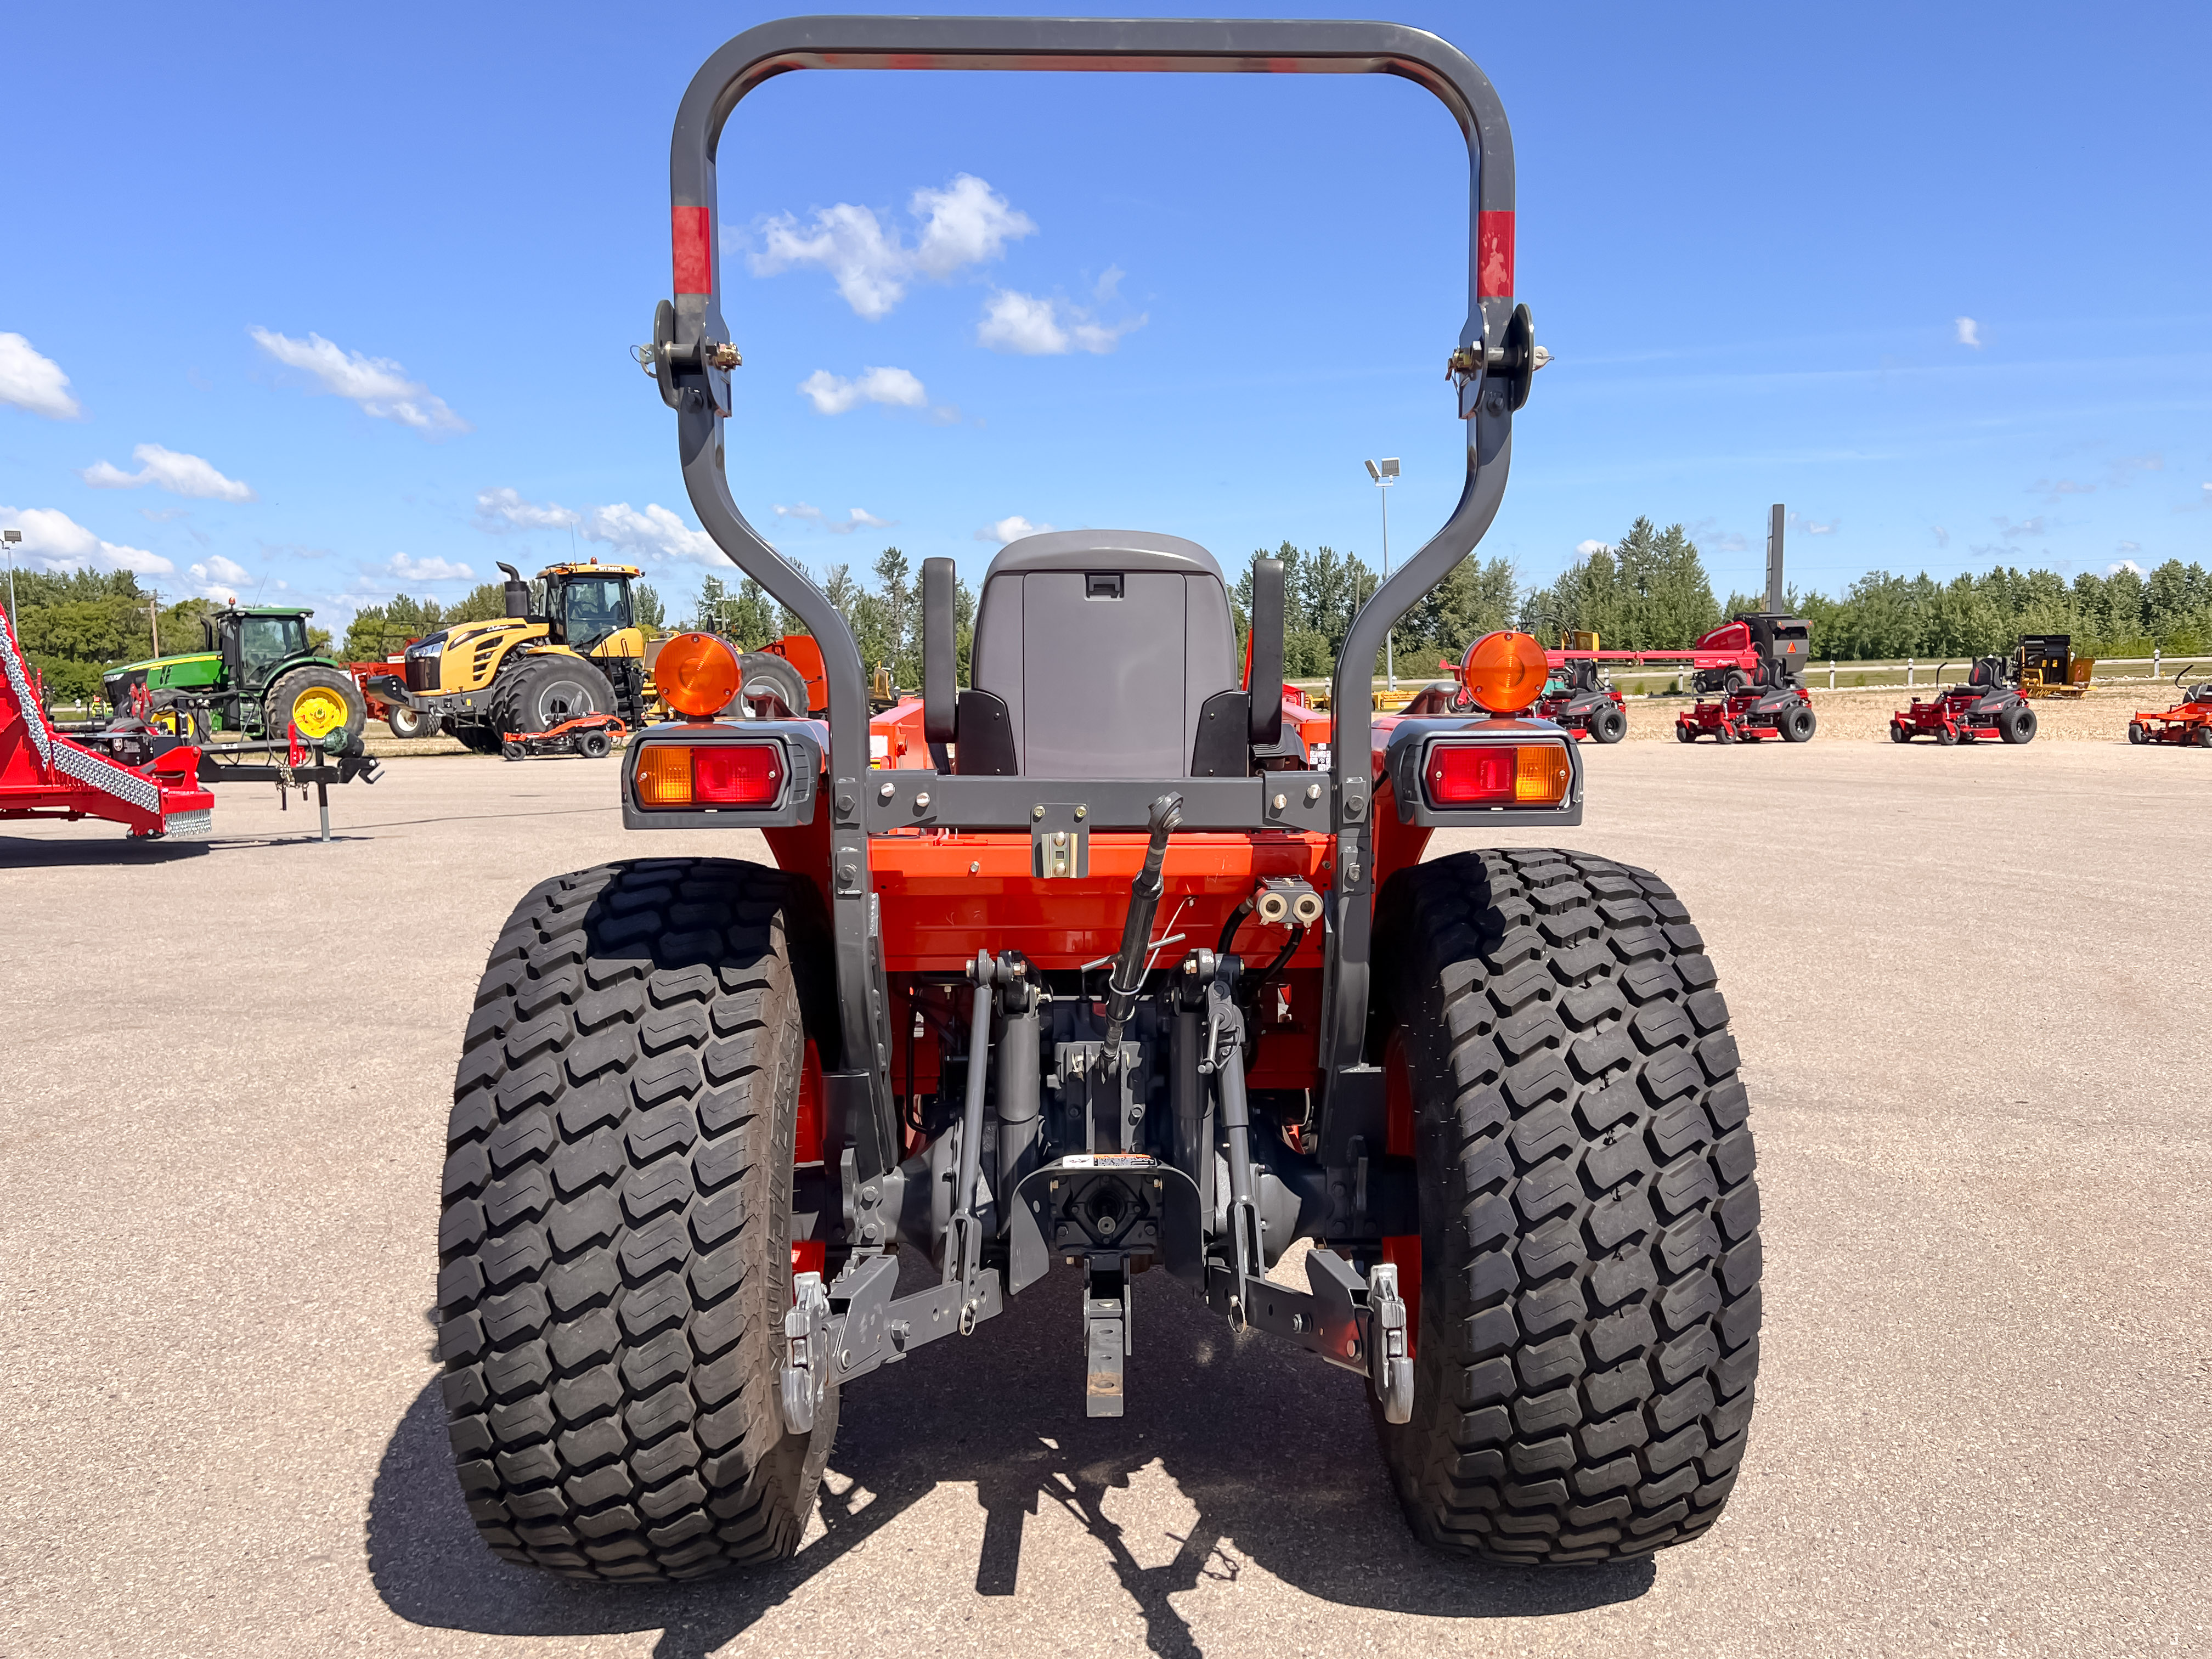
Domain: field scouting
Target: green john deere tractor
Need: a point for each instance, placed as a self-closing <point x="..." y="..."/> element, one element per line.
<point x="256" y="676"/>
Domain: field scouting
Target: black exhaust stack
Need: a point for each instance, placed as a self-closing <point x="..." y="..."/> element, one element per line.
<point x="517" y="591"/>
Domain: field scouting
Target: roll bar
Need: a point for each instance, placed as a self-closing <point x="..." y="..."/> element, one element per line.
<point x="693" y="354"/>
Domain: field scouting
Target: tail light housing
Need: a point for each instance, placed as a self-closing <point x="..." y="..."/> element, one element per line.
<point x="689" y="776"/>
<point x="1462" y="774"/>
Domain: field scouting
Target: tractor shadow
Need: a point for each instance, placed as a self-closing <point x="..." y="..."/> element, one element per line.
<point x="33" y="852"/>
<point x="1274" y="1452"/>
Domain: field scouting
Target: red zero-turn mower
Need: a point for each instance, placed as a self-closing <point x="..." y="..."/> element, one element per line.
<point x="1581" y="701"/>
<point x="1102" y="976"/>
<point x="1989" y="705"/>
<point x="1762" y="692"/>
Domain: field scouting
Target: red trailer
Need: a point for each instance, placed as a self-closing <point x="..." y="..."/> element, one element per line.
<point x="127" y="773"/>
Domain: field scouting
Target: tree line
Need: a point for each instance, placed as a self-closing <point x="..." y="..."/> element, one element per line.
<point x="1648" y="590"/>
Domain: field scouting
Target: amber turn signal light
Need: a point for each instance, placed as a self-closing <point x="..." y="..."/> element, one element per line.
<point x="1504" y="672"/>
<point x="698" y="675"/>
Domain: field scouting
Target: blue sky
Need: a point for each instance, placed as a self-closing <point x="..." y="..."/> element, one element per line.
<point x="1940" y="278"/>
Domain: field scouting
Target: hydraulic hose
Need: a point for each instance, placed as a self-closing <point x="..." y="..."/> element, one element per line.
<point x="1128" y="978"/>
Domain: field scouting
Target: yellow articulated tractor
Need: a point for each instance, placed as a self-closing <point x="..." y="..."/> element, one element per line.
<point x="530" y="670"/>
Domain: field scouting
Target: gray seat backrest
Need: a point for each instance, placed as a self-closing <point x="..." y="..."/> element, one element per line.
<point x="1104" y="644"/>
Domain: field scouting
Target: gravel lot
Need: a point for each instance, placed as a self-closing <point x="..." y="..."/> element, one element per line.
<point x="1970" y="993"/>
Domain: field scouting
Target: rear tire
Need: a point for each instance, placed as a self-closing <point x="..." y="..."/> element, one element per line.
<point x="1898" y="734"/>
<point x="2134" y="731"/>
<point x="411" y="723"/>
<point x="1610" y="726"/>
<point x="616" y="1246"/>
<point x="2204" y="737"/>
<point x="595" y="745"/>
<point x="316" y="701"/>
<point x="2017" y="725"/>
<point x="544" y="691"/>
<point x="1684" y="734"/>
<point x="479" y="739"/>
<point x="1799" y="724"/>
<point x="1589" y="1303"/>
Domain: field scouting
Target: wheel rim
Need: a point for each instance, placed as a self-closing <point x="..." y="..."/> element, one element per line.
<point x="318" y="712"/>
<point x="563" y="700"/>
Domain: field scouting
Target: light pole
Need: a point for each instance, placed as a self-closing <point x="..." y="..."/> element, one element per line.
<point x="11" y="537"/>
<point x="1385" y="473"/>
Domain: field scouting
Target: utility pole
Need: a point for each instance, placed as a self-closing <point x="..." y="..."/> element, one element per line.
<point x="1775" y="518"/>
<point x="1385" y="473"/>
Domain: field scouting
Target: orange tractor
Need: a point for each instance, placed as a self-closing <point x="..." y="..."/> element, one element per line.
<point x="1118" y="958"/>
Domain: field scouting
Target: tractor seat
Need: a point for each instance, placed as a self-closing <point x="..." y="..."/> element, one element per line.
<point x="1104" y="644"/>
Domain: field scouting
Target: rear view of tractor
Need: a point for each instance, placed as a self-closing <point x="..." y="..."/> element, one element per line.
<point x="2187" y="724"/>
<point x="1760" y="691"/>
<point x="1989" y="704"/>
<point x="1100" y="975"/>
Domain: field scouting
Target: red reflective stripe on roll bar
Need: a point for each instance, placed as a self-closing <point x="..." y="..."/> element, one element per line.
<point x="1494" y="259"/>
<point x="695" y="271"/>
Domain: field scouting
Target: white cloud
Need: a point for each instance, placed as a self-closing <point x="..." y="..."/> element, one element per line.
<point x="655" y="533"/>
<point x="505" y="509"/>
<point x="859" y="519"/>
<point x="833" y="394"/>
<point x="2130" y="547"/>
<point x="2011" y="532"/>
<point x="219" y="578"/>
<point x="1584" y="549"/>
<point x="965" y="223"/>
<point x="60" y="542"/>
<point x="1034" y="327"/>
<point x="1943" y="536"/>
<point x="1967" y="333"/>
<point x="406" y="568"/>
<point x="33" y="382"/>
<point x="378" y="385"/>
<point x="2124" y="564"/>
<point x="167" y="469"/>
<point x="1108" y="283"/>
<point x="1011" y="528"/>
<point x="1799" y="521"/>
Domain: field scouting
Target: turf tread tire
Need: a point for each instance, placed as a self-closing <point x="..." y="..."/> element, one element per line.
<point x="614" y="1249"/>
<point x="1589" y="1296"/>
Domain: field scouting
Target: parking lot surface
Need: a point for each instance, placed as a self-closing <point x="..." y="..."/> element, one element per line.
<point x="1971" y="993"/>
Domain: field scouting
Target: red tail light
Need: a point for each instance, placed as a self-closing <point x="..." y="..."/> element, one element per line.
<point x="1496" y="774"/>
<point x="670" y="774"/>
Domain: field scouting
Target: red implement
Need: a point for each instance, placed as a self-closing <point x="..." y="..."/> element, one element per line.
<point x="141" y="779"/>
